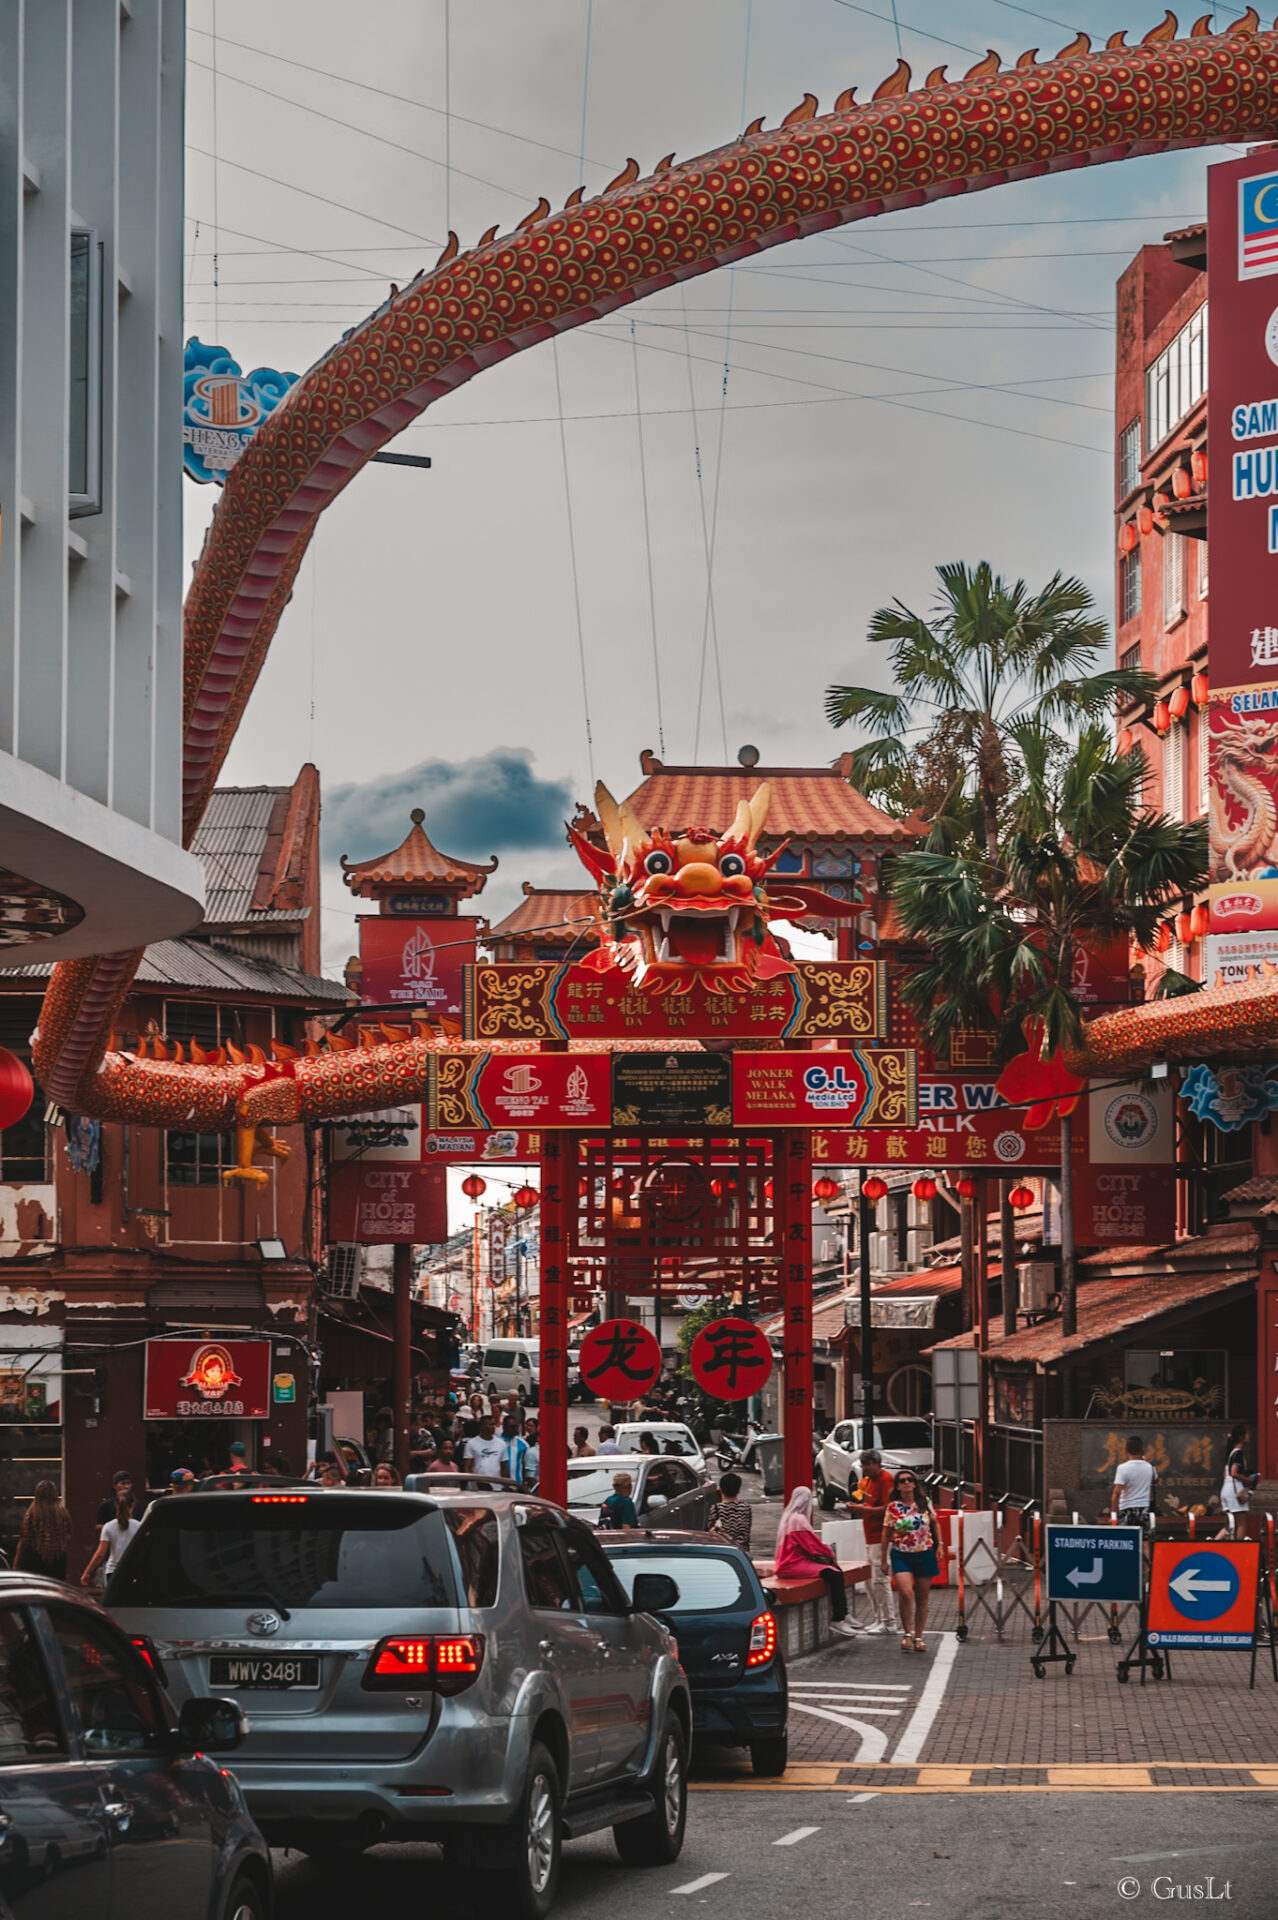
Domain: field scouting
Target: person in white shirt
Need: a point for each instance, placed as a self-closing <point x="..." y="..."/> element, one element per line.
<point x="484" y="1452"/>
<point x="607" y="1441"/>
<point x="1235" y="1490"/>
<point x="113" y="1539"/>
<point x="1133" y="1490"/>
<point x="532" y="1454"/>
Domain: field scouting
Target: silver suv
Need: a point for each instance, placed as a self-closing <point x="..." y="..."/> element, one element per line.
<point x="459" y="1666"/>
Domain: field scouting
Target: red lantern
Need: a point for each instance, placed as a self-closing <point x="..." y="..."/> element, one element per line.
<point x="1021" y="1197"/>
<point x="1127" y="536"/>
<point x="924" y="1187"/>
<point x="1200" y="690"/>
<point x="1198" y="466"/>
<point x="1145" y="519"/>
<point x="1182" y="485"/>
<point x="526" y="1197"/>
<point x="1163" y="938"/>
<point x="1200" y="919"/>
<point x="873" y="1189"/>
<point x="1126" y="740"/>
<point x="1162" y="717"/>
<point x="1185" y="928"/>
<point x="17" y="1089"/>
<point x="825" y="1189"/>
<point x="473" y="1186"/>
<point x="1161" y="501"/>
<point x="1178" y="705"/>
<point x="965" y="1187"/>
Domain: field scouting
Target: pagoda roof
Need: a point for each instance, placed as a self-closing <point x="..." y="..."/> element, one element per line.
<point x="417" y="863"/>
<point x="555" y="915"/>
<point x="808" y="803"/>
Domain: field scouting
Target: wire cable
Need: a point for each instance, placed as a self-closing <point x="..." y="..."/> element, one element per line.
<point x="217" y="232"/>
<point x="647" y="538"/>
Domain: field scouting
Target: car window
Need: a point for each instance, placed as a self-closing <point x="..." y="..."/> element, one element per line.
<point x="902" y="1433"/>
<point x="596" y="1581"/>
<point x="545" y="1575"/>
<point x="681" y="1478"/>
<point x="476" y="1534"/>
<point x="592" y="1488"/>
<point x="521" y="1359"/>
<point x="842" y="1436"/>
<point x="29" y="1727"/>
<point x="320" y="1549"/>
<point x="660" y="1482"/>
<point x="500" y="1357"/>
<point x="118" y="1711"/>
<point x="707" y="1582"/>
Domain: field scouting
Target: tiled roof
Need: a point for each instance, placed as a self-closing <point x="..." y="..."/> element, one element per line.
<point x="416" y="863"/>
<point x="231" y="840"/>
<point x="204" y="966"/>
<point x="936" y="1280"/>
<point x="551" y="914"/>
<point x="829" y="1317"/>
<point x="1194" y="232"/>
<point x="808" y="803"/>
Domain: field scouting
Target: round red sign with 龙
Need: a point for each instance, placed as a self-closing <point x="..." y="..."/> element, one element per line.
<point x="620" y="1360"/>
<point x="731" y="1359"/>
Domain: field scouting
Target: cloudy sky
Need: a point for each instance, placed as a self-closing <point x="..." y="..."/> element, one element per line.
<point x="674" y="537"/>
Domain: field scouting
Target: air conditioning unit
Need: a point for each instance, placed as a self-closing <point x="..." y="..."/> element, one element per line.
<point x="345" y="1265"/>
<point x="1037" y="1282"/>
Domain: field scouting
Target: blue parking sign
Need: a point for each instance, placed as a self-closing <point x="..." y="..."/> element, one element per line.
<point x="1094" y="1563"/>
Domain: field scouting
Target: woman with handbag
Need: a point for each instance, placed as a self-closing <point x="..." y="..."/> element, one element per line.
<point x="910" y="1536"/>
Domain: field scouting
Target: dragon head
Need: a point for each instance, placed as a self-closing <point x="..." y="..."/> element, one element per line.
<point x="691" y="900"/>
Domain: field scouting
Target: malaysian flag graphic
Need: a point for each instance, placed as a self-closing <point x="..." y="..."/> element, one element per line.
<point x="1258" y="226"/>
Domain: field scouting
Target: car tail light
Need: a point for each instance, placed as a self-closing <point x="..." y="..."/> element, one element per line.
<point x="763" y="1640"/>
<point x="279" y="1499"/>
<point x="406" y="1662"/>
<point x="146" y="1647"/>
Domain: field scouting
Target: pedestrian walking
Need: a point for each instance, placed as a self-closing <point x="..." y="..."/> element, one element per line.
<point x="181" y="1480"/>
<point x="444" y="1461"/>
<point x="385" y="1475"/>
<point x="483" y="1451"/>
<point x="618" y="1509"/>
<point x="532" y="1453"/>
<point x="1133" y="1490"/>
<point x="45" y="1538"/>
<point x="115" y="1537"/>
<point x="730" y="1515"/>
<point x="869" y="1503"/>
<point x="239" y="1457"/>
<point x="910" y="1533"/>
<point x="121" y="1482"/>
<point x="581" y="1447"/>
<point x="1235" y="1488"/>
<point x="514" y="1450"/>
<point x="607" y="1441"/>
<point x="801" y="1554"/>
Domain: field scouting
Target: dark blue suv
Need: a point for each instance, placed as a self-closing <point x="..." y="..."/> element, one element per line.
<point x="727" y="1636"/>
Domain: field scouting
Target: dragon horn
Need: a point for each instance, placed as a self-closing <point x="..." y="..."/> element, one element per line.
<point x="600" y="865"/>
<point x="759" y="806"/>
<point x="610" y="819"/>
<point x="741" y="825"/>
<point x="632" y="826"/>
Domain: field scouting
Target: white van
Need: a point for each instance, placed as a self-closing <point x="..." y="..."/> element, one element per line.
<point x="513" y="1363"/>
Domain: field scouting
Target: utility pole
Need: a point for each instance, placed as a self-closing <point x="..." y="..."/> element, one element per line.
<point x="865" y="1219"/>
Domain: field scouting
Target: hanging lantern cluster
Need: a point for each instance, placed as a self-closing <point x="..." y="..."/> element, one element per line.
<point x="873" y="1189"/>
<point x="924" y="1187"/>
<point x="1192" y="924"/>
<point x="1185" y="482"/>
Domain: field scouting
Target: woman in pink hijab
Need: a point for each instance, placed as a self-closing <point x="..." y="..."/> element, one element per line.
<point x="801" y="1554"/>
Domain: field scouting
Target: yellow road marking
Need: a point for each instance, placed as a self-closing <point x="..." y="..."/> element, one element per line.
<point x="1099" y="1777"/>
<point x="984" y="1777"/>
<point x="944" y="1778"/>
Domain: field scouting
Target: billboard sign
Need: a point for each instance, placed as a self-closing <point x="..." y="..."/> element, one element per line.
<point x="415" y="963"/>
<point x="962" y="1121"/>
<point x="379" y="1205"/>
<point x="1124" y="1167"/>
<point x="222" y="408"/>
<point x="1095" y="1563"/>
<point x="1243" y="815"/>
<point x="207" y="1380"/>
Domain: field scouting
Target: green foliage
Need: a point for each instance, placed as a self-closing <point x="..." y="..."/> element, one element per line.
<point x="705" y="1410"/>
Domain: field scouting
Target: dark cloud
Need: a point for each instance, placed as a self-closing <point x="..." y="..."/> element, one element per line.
<point x="473" y="808"/>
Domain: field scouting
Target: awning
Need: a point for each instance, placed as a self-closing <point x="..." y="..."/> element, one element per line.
<point x="901" y="1310"/>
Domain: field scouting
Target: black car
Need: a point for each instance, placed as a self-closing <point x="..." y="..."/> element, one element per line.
<point x="109" y="1807"/>
<point x="727" y="1636"/>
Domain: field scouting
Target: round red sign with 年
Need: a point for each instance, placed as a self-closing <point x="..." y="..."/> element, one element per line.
<point x="620" y="1360"/>
<point x="731" y="1359"/>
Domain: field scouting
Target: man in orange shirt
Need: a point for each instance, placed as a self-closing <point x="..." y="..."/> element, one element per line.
<point x="868" y="1503"/>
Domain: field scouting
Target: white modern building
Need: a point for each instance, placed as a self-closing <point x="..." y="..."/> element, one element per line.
<point x="91" y="182"/>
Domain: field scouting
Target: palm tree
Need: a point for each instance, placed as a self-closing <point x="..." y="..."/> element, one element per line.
<point x="992" y="657"/>
<point x="1077" y="861"/>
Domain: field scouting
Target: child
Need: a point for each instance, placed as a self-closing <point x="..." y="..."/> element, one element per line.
<point x="619" y="1509"/>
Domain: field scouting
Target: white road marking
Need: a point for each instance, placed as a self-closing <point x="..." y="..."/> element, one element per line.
<point x="695" y="1886"/>
<point x="793" y="1839"/>
<point x="847" y="1706"/>
<point x="873" y="1739"/>
<point x="859" y="1799"/>
<point x="850" y="1686"/>
<point x="910" y="1745"/>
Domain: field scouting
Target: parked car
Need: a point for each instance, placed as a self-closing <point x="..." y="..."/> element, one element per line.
<point x="514" y="1364"/>
<point x="110" y="1803"/>
<point x="727" y="1636"/>
<point x="662" y="1485"/>
<point x="423" y="1667"/>
<point x="902" y="1443"/>
<point x="672" y="1436"/>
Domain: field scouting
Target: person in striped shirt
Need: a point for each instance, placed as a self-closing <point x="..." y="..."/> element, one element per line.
<point x="731" y="1516"/>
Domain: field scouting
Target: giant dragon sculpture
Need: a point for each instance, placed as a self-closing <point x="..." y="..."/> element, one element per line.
<point x="555" y="271"/>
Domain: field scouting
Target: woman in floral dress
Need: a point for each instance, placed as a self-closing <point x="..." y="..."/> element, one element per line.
<point x="910" y="1535"/>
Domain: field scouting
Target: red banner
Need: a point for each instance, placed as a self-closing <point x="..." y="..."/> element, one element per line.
<point x="489" y="1091"/>
<point x="378" y="1205"/>
<point x="862" y="1089"/>
<point x="619" y="1360"/>
<point x="962" y="1122"/>
<point x="1124" y="1167"/>
<point x="1243" y="418"/>
<point x="207" y="1379"/>
<point x="416" y="962"/>
<point x="731" y="1359"/>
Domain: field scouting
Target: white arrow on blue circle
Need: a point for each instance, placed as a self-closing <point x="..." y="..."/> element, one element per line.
<point x="1189" y="1583"/>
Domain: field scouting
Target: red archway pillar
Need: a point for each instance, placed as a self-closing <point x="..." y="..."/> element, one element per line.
<point x="557" y="1158"/>
<point x="794" y="1183"/>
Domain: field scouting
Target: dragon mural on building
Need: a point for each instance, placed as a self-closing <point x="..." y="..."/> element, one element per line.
<point x="903" y="148"/>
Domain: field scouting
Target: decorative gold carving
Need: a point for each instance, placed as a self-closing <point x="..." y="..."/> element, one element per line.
<point x="512" y="1003"/>
<point x="842" y="1000"/>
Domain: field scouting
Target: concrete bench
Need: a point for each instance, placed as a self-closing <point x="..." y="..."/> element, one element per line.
<point x="802" y="1607"/>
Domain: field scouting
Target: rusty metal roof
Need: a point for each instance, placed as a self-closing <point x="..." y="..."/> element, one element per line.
<point x="231" y="842"/>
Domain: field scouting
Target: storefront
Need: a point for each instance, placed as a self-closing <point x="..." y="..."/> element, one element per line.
<point x="31" y="1389"/>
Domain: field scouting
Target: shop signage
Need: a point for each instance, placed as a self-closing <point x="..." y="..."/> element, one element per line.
<point x="31" y="1377"/>
<point x="1188" y="1457"/>
<point x="962" y="1121"/>
<point x="861" y="1087"/>
<point x="415" y="963"/>
<point x="379" y="1205"/>
<point x="1233" y="1097"/>
<point x="826" y="1000"/>
<point x="284" y="1389"/>
<point x="507" y="1144"/>
<point x="898" y="1310"/>
<point x="619" y="1360"/>
<point x="1243" y="769"/>
<point x="393" y="1135"/>
<point x="1203" y="1595"/>
<point x="731" y="1359"/>
<point x="679" y="1090"/>
<point x="1124" y="1167"/>
<point x="1095" y="1563"/>
<point x="1235" y="958"/>
<point x="493" y="1091"/>
<point x="206" y="1380"/>
<point x="222" y="408"/>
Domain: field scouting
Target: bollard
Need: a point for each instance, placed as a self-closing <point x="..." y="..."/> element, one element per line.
<point x="1036" y="1632"/>
<point x="962" y="1622"/>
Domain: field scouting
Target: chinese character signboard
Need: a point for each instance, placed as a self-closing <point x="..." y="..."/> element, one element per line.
<point x="1189" y="1459"/>
<point x="415" y="963"/>
<point x="1244" y="805"/>
<point x="962" y="1121"/>
<point x="1124" y="1167"/>
<point x="821" y="1000"/>
<point x="619" y="1360"/>
<point x="731" y="1359"/>
<point x="379" y="1205"/>
<point x="207" y="1380"/>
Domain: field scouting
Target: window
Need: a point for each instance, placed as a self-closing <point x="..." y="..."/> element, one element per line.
<point x="23" y="1154"/>
<point x="596" y="1579"/>
<point x="84" y="450"/>
<point x="545" y="1576"/>
<point x="1129" y="458"/>
<point x="1199" y="1373"/>
<point x="475" y="1536"/>
<point x="1173" y="578"/>
<point x="1201" y="739"/>
<point x="1202" y="569"/>
<point x="1174" y="770"/>
<point x="117" y="1710"/>
<point x="195" y="1159"/>
<point x="29" y="1727"/>
<point x="707" y="1582"/>
<point x="1129" y="578"/>
<point x="1177" y="379"/>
